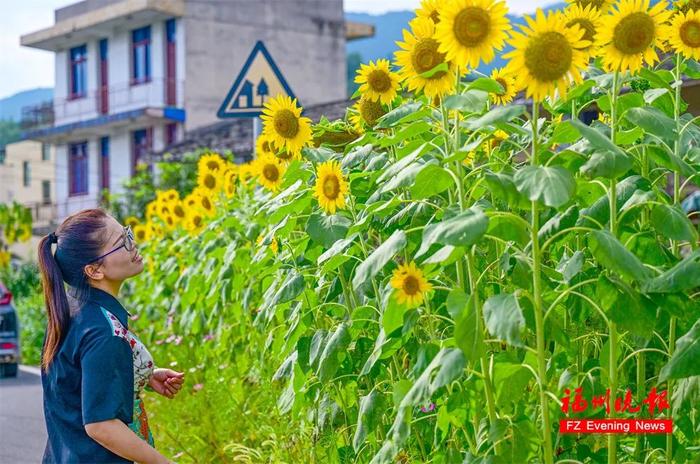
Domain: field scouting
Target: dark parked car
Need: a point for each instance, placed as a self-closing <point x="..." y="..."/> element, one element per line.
<point x="9" y="335"/>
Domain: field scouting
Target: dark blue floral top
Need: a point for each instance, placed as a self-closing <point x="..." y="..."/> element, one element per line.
<point x="97" y="375"/>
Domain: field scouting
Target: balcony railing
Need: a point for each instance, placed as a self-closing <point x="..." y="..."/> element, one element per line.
<point x="37" y="116"/>
<point x="103" y="100"/>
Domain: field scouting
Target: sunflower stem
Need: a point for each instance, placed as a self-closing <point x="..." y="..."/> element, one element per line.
<point x="539" y="316"/>
<point x="674" y="243"/>
<point x="612" y="326"/>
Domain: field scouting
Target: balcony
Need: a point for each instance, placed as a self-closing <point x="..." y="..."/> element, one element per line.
<point x="119" y="105"/>
<point x="89" y="22"/>
<point x="37" y="116"/>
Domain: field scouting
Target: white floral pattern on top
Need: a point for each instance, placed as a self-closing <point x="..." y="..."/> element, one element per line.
<point x="143" y="369"/>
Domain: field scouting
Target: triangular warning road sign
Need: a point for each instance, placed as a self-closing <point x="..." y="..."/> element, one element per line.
<point x="259" y="80"/>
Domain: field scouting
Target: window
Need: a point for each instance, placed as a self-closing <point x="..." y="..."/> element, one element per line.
<point x="26" y="173"/>
<point x="170" y="133"/>
<point x="141" y="55"/>
<point x="141" y="146"/>
<point x="46" y="191"/>
<point x="170" y="71"/>
<point x="77" y="168"/>
<point x="104" y="163"/>
<point x="78" y="72"/>
<point x="104" y="77"/>
<point x="45" y="152"/>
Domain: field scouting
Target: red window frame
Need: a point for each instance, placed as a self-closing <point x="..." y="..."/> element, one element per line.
<point x="78" y="168"/>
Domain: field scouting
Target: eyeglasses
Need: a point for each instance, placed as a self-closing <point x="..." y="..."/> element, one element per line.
<point x="129" y="244"/>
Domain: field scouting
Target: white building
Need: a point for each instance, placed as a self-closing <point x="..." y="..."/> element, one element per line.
<point x="132" y="75"/>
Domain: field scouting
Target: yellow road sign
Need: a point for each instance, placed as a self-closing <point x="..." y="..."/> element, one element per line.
<point x="259" y="80"/>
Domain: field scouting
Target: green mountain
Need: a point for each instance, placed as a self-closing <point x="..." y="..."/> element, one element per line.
<point x="11" y="107"/>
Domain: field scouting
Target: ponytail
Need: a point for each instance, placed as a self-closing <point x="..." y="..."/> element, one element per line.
<point x="57" y="308"/>
<point x="79" y="240"/>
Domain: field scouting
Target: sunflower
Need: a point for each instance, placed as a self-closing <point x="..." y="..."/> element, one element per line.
<point x="547" y="55"/>
<point x="587" y="18"/>
<point x="470" y="31"/>
<point x="366" y="113"/>
<point x="211" y="180"/>
<point x="683" y="34"/>
<point x="24" y="233"/>
<point x="418" y="55"/>
<point x="270" y="171"/>
<point x="194" y="221"/>
<point x="211" y="161"/>
<point x="264" y="145"/>
<point x="410" y="284"/>
<point x="142" y="233"/>
<point x="507" y="81"/>
<point x="287" y="156"/>
<point x="131" y="221"/>
<point x="178" y="211"/>
<point x="203" y="201"/>
<point x="171" y="195"/>
<point x="331" y="187"/>
<point x="601" y="5"/>
<point x="189" y="202"/>
<point x="151" y="210"/>
<point x="246" y="171"/>
<point x="377" y="82"/>
<point x="629" y="35"/>
<point x="230" y="177"/>
<point x="430" y="9"/>
<point x="273" y="244"/>
<point x="284" y="125"/>
<point x="169" y="220"/>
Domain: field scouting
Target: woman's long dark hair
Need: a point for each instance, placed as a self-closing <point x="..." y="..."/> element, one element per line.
<point x="79" y="240"/>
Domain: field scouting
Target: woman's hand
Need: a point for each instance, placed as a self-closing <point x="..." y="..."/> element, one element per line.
<point x="167" y="382"/>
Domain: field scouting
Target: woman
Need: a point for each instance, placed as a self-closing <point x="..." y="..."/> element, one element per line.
<point x="93" y="368"/>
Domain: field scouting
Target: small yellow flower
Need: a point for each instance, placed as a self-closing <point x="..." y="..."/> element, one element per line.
<point x="509" y="85"/>
<point x="430" y="9"/>
<point x="365" y="114"/>
<point x="547" y="55"/>
<point x="210" y="179"/>
<point x="377" y="82"/>
<point x="284" y="125"/>
<point x="270" y="171"/>
<point x="630" y="34"/>
<point x="470" y="31"/>
<point x="410" y="284"/>
<point x="273" y="243"/>
<point x="210" y="161"/>
<point x="683" y="34"/>
<point x="331" y="186"/>
<point x="419" y="54"/>
<point x="131" y="221"/>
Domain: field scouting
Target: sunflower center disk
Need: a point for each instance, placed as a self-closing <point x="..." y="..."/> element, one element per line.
<point x="690" y="34"/>
<point x="426" y="56"/>
<point x="179" y="212"/>
<point x="634" y="33"/>
<point x="503" y="84"/>
<point x="371" y="111"/>
<point x="286" y="124"/>
<point x="271" y="172"/>
<point x="410" y="285"/>
<point x="212" y="165"/>
<point x="379" y="81"/>
<point x="210" y="181"/>
<point x="587" y="26"/>
<point x="471" y="26"/>
<point x="197" y="220"/>
<point x="331" y="187"/>
<point x="266" y="147"/>
<point x="548" y="57"/>
<point x="206" y="204"/>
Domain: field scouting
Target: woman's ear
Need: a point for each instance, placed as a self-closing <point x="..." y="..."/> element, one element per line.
<point x="94" y="272"/>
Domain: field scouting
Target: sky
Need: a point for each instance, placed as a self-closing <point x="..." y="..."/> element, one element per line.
<point x="26" y="68"/>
